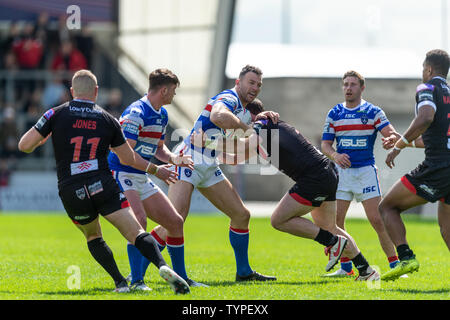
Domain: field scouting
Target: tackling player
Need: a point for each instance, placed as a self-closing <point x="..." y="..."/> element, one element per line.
<point x="208" y="177"/>
<point x="430" y="181"/>
<point x="354" y="125"/>
<point x="144" y="125"/>
<point x="82" y="133"/>
<point x="314" y="190"/>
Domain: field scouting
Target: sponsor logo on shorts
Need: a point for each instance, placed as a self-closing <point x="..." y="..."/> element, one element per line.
<point x="80" y="217"/>
<point x="188" y="172"/>
<point x="81" y="193"/>
<point x="319" y="198"/>
<point x="95" y="188"/>
<point x="427" y="189"/>
<point x="128" y="182"/>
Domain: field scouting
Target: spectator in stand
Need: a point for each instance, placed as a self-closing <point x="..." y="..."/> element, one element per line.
<point x="9" y="134"/>
<point x="28" y="50"/>
<point x="85" y="43"/>
<point x="69" y="58"/>
<point x="54" y="93"/>
<point x="7" y="42"/>
<point x="114" y="104"/>
<point x="5" y="173"/>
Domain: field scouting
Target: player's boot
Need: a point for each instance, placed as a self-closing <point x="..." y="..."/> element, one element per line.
<point x="334" y="252"/>
<point x="122" y="287"/>
<point x="405" y="266"/>
<point x="194" y="284"/>
<point x="254" y="276"/>
<point x="177" y="283"/>
<point x="340" y="274"/>
<point x="370" y="275"/>
<point x="140" y="286"/>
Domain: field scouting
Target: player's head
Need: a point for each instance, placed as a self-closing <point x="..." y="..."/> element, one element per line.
<point x="249" y="83"/>
<point x="163" y="82"/>
<point x="353" y="84"/>
<point x="437" y="63"/>
<point x="255" y="107"/>
<point x="84" y="85"/>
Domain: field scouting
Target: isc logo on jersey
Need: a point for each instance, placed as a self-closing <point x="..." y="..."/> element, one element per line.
<point x="353" y="143"/>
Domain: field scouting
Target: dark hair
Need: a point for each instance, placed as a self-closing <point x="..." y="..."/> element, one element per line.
<point x="162" y="77"/>
<point x="255" y="107"/>
<point x="248" y="68"/>
<point x="439" y="61"/>
<point x="352" y="73"/>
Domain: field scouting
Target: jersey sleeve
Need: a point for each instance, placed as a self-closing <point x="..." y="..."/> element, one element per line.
<point x="43" y="125"/>
<point x="380" y="120"/>
<point x="118" y="137"/>
<point x="132" y="122"/>
<point x="424" y="96"/>
<point x="328" y="129"/>
<point x="229" y="100"/>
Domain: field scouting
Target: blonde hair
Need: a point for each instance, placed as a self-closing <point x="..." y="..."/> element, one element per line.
<point x="84" y="83"/>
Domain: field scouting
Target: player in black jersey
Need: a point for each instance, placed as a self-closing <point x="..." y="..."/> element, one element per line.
<point x="82" y="133"/>
<point x="430" y="181"/>
<point x="314" y="190"/>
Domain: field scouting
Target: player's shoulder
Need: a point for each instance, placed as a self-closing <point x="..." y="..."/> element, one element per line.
<point x="425" y="87"/>
<point x="369" y="107"/>
<point x="229" y="97"/>
<point x="336" y="111"/>
<point x="135" y="110"/>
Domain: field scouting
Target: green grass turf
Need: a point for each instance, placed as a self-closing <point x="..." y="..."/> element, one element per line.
<point x="37" y="250"/>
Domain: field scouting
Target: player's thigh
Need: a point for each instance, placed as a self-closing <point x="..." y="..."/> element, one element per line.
<point x="91" y="230"/>
<point x="325" y="215"/>
<point x="134" y="199"/>
<point x="180" y="194"/>
<point x="127" y="224"/>
<point x="159" y="209"/>
<point x="400" y="198"/>
<point x="224" y="197"/>
<point x="341" y="211"/>
<point x="444" y="217"/>
<point x="287" y="209"/>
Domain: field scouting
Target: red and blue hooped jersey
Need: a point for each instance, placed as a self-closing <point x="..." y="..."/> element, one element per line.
<point x="355" y="131"/>
<point x="142" y="123"/>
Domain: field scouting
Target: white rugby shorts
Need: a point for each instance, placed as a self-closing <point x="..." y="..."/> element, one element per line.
<point x="206" y="171"/>
<point x="136" y="181"/>
<point x="359" y="183"/>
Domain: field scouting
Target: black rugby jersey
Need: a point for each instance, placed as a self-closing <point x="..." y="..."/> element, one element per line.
<point x="437" y="137"/>
<point x="82" y="133"/>
<point x="288" y="150"/>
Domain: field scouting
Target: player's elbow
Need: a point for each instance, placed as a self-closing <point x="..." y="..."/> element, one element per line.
<point x="24" y="146"/>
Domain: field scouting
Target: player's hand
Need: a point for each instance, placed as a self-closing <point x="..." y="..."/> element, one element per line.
<point x="391" y="156"/>
<point x="183" y="161"/>
<point x="389" y="142"/>
<point x="198" y="138"/>
<point x="165" y="173"/>
<point x="272" y="115"/>
<point x="342" y="160"/>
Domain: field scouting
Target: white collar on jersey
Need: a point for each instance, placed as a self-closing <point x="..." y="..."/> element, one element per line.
<point x="363" y="102"/>
<point x="440" y="78"/>
<point x="86" y="101"/>
<point x="147" y="102"/>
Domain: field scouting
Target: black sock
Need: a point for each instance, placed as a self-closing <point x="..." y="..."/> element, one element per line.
<point x="148" y="247"/>
<point x="326" y="238"/>
<point x="404" y="252"/>
<point x="360" y="263"/>
<point x="104" y="256"/>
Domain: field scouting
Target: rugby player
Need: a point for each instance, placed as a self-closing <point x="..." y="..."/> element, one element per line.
<point x="354" y="125"/>
<point x="82" y="133"/>
<point x="209" y="179"/>
<point x="314" y="192"/>
<point x="144" y="125"/>
<point x="429" y="182"/>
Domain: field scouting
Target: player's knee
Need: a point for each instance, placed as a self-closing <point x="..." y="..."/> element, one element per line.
<point x="275" y="222"/>
<point x="175" y="225"/>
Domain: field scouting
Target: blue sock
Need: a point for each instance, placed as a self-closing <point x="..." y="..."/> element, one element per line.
<point x="134" y="257"/>
<point x="239" y="242"/>
<point x="175" y="247"/>
<point x="144" y="266"/>
<point x="393" y="261"/>
<point x="346" y="265"/>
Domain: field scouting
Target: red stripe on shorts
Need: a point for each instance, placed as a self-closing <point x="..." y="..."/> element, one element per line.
<point x="408" y="185"/>
<point x="300" y="199"/>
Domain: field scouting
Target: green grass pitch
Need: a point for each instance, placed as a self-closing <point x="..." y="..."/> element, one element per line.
<point x="38" y="250"/>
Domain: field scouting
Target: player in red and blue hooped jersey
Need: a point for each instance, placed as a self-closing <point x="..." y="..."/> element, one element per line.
<point x="354" y="124"/>
<point x="144" y="125"/>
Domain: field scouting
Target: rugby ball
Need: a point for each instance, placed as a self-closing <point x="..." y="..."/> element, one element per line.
<point x="245" y="116"/>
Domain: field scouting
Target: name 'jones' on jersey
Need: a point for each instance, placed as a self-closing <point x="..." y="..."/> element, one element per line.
<point x="355" y="131"/>
<point x="145" y="125"/>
